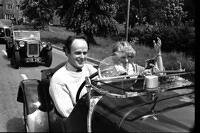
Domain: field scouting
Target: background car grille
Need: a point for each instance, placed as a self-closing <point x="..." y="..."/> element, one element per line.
<point x="33" y="50"/>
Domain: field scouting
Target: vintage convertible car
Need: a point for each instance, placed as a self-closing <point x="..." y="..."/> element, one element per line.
<point x="122" y="103"/>
<point x="5" y="34"/>
<point x="26" y="47"/>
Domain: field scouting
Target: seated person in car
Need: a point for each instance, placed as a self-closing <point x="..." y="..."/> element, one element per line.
<point x="124" y="61"/>
<point x="66" y="81"/>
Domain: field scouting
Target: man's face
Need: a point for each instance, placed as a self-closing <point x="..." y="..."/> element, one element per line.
<point x="78" y="54"/>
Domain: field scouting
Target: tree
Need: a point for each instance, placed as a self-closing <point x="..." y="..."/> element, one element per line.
<point x="173" y="12"/>
<point x="91" y="17"/>
<point x="37" y="11"/>
<point x="189" y="6"/>
<point x="121" y="15"/>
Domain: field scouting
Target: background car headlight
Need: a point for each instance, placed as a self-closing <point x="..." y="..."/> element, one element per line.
<point x="44" y="44"/>
<point x="21" y="43"/>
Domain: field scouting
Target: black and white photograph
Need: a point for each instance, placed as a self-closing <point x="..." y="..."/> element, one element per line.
<point x="97" y="66"/>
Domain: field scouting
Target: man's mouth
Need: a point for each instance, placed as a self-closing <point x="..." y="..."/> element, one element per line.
<point x="80" y="62"/>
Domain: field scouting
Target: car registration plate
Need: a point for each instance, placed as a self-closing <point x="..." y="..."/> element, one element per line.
<point x="32" y="59"/>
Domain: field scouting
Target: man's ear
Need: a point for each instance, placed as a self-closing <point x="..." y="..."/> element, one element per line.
<point x="65" y="51"/>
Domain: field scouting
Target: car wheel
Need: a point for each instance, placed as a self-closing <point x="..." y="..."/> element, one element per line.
<point x="48" y="59"/>
<point x="25" y="117"/>
<point x="15" y="60"/>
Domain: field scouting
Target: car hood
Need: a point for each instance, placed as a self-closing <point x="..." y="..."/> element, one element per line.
<point x="171" y="115"/>
<point x="178" y="120"/>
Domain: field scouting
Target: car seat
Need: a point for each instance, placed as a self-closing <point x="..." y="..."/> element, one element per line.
<point x="55" y="119"/>
<point x="34" y="94"/>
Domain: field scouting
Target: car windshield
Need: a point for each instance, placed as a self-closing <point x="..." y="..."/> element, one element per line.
<point x="112" y="66"/>
<point x="112" y="72"/>
<point x="33" y="35"/>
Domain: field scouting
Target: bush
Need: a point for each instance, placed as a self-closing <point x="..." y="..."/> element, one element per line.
<point x="181" y="38"/>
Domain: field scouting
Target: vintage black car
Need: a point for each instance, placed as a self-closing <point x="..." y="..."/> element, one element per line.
<point x="5" y="34"/>
<point x="27" y="47"/>
<point x="116" y="103"/>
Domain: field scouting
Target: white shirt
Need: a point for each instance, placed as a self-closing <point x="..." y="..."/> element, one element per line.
<point x="64" y="85"/>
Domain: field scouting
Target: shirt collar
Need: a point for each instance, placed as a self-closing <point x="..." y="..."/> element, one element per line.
<point x="69" y="67"/>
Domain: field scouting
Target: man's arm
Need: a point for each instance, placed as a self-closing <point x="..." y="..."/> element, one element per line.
<point x="61" y="98"/>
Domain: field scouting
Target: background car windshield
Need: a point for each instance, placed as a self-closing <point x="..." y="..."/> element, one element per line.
<point x="35" y="35"/>
<point x="2" y="34"/>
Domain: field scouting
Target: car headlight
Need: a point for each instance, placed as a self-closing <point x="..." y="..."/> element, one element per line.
<point x="44" y="44"/>
<point x="21" y="43"/>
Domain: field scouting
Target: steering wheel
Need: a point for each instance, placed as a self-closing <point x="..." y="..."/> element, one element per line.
<point x="82" y="85"/>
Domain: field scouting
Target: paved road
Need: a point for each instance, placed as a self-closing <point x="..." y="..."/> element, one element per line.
<point x="10" y="109"/>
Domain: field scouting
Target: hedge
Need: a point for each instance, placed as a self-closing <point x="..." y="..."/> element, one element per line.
<point x="181" y="38"/>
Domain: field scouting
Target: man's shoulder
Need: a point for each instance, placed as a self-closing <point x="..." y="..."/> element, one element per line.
<point x="90" y="68"/>
<point x="59" y="72"/>
<point x="88" y="65"/>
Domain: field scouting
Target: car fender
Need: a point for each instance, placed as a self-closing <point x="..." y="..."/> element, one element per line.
<point x="16" y="47"/>
<point x="28" y="94"/>
<point x="9" y="44"/>
<point x="47" y="48"/>
<point x="31" y="92"/>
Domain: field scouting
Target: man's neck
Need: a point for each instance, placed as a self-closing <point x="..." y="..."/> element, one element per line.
<point x="70" y="67"/>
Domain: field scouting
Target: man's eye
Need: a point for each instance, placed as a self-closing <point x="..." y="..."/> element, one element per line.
<point x="79" y="53"/>
<point x="84" y="53"/>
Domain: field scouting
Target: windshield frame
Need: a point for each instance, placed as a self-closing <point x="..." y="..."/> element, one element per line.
<point x="26" y="35"/>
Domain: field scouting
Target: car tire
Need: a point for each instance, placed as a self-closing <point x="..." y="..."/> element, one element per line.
<point x="48" y="59"/>
<point x="15" y="60"/>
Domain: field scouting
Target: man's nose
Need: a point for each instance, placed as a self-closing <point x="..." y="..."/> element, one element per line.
<point x="82" y="55"/>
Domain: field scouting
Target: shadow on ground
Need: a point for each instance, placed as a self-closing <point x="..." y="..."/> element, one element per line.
<point x="27" y="65"/>
<point x="15" y="125"/>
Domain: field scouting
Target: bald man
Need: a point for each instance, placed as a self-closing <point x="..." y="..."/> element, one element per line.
<point x="66" y="81"/>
